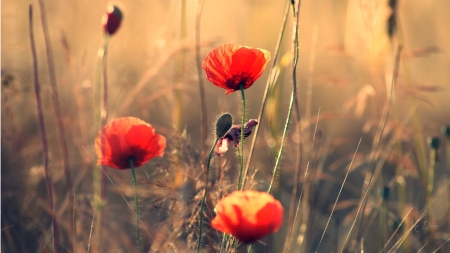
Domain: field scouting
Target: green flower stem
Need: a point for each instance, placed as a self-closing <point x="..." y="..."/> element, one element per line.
<point x="137" y="205"/>
<point x="249" y="248"/>
<point x="208" y="163"/>
<point x="241" y="144"/>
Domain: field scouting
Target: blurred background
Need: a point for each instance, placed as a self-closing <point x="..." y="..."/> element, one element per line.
<point x="345" y="71"/>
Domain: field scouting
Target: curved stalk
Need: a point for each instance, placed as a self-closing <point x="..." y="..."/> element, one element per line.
<point x="208" y="163"/>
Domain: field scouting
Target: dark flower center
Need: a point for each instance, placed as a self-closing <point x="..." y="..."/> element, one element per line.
<point x="236" y="81"/>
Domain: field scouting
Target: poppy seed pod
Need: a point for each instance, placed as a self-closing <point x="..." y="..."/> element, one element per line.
<point x="112" y="19"/>
<point x="223" y="124"/>
<point x="434" y="142"/>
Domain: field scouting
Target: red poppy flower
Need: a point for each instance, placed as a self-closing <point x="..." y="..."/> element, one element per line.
<point x="128" y="138"/>
<point x="112" y="19"/>
<point x="230" y="66"/>
<point x="248" y="215"/>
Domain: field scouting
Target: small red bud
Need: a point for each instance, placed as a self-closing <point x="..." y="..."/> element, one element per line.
<point x="112" y="19"/>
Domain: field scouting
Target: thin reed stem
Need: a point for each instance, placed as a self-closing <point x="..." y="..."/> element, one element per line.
<point x="383" y="214"/>
<point x="136" y="200"/>
<point x="377" y="139"/>
<point x="201" y="86"/>
<point x="241" y="144"/>
<point x="55" y="228"/>
<point x="293" y="98"/>
<point x="266" y="92"/>
<point x="447" y="164"/>
<point x="59" y="123"/>
<point x="208" y="163"/>
<point x="104" y="111"/>
<point x="100" y="121"/>
<point x="430" y="184"/>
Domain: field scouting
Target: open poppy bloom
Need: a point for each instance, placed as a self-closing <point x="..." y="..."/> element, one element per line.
<point x="234" y="134"/>
<point x="248" y="215"/>
<point x="126" y="139"/>
<point x="232" y="66"/>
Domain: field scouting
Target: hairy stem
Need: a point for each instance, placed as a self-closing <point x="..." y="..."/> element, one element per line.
<point x="136" y="200"/>
<point x="208" y="163"/>
<point x="241" y="144"/>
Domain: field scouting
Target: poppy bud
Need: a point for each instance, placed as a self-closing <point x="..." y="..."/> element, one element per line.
<point x="112" y="19"/>
<point x="223" y="124"/>
<point x="434" y="142"/>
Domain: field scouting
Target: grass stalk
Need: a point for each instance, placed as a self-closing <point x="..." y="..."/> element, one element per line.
<point x="136" y="200"/>
<point x="177" y="111"/>
<point x="201" y="86"/>
<point x="430" y="184"/>
<point x="100" y="121"/>
<point x="377" y="140"/>
<point x="383" y="214"/>
<point x="266" y="92"/>
<point x="55" y="227"/>
<point x="59" y="123"/>
<point x="293" y="96"/>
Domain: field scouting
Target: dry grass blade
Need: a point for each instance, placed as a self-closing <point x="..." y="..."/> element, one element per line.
<point x="440" y="246"/>
<point x="90" y="232"/>
<point x="292" y="215"/>
<point x="201" y="86"/>
<point x="399" y="242"/>
<point x="396" y="230"/>
<point x="58" y="117"/>
<point x="153" y="71"/>
<point x="377" y="139"/>
<point x="339" y="194"/>
<point x="266" y="92"/>
<point x="55" y="228"/>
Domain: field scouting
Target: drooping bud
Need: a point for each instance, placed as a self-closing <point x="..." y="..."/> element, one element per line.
<point x="223" y="124"/>
<point x="112" y="19"/>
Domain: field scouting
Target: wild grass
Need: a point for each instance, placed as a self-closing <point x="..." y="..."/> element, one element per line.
<point x="347" y="155"/>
